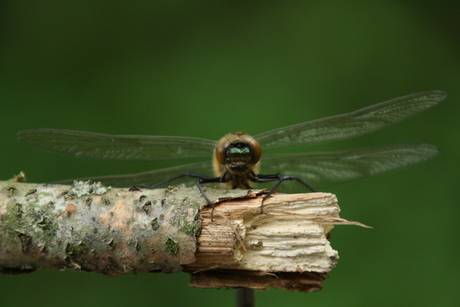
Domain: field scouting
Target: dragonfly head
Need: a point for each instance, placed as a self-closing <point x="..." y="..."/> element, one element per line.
<point x="238" y="151"/>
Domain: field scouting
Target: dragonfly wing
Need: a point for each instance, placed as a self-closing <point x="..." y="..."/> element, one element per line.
<point x="320" y="170"/>
<point x="151" y="178"/>
<point x="350" y="124"/>
<point x="116" y="147"/>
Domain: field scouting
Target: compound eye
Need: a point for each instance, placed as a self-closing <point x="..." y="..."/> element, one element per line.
<point x="253" y="145"/>
<point x="222" y="147"/>
<point x="256" y="149"/>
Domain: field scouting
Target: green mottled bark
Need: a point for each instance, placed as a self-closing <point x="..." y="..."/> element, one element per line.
<point x="92" y="228"/>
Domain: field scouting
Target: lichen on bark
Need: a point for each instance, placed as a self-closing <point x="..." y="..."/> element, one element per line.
<point x="105" y="230"/>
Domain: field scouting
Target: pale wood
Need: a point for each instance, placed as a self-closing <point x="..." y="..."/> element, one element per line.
<point x="290" y="235"/>
<point x="285" y="247"/>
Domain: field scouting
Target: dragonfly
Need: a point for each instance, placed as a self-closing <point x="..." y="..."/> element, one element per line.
<point x="237" y="157"/>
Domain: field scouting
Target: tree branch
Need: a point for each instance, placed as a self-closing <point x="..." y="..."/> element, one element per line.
<point x="115" y="231"/>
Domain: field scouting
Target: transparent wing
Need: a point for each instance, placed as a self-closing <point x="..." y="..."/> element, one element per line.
<point x="325" y="169"/>
<point x="350" y="124"/>
<point x="117" y="147"/>
<point x="151" y="178"/>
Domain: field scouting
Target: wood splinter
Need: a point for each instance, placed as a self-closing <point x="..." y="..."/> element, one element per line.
<point x="286" y="247"/>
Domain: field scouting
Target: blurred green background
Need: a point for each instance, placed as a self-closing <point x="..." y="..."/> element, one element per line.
<point x="206" y="68"/>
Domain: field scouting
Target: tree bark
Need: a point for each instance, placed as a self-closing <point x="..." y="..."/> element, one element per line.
<point x="92" y="228"/>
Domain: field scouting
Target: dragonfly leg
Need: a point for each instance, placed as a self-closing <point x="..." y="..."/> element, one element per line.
<point x="209" y="180"/>
<point x="201" y="179"/>
<point x="275" y="177"/>
<point x="192" y="175"/>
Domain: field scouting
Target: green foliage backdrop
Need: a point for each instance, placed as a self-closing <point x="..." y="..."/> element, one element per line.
<point x="206" y="68"/>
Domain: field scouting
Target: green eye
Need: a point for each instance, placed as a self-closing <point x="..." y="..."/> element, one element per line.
<point x="239" y="151"/>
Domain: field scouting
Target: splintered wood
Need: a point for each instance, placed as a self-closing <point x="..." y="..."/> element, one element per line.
<point x="286" y="246"/>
